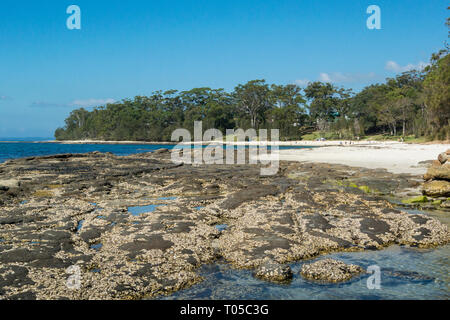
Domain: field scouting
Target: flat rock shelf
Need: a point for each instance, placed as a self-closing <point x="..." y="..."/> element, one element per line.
<point x="50" y="220"/>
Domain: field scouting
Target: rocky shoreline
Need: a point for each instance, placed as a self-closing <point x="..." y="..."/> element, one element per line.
<point x="437" y="179"/>
<point x="77" y="210"/>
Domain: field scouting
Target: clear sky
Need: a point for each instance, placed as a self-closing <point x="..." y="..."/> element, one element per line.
<point x="134" y="47"/>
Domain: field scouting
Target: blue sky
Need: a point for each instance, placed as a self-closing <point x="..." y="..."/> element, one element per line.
<point x="129" y="48"/>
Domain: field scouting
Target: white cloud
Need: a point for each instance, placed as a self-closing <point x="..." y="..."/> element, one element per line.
<point x="324" y="77"/>
<point x="302" y="82"/>
<point x="339" y="77"/>
<point x="91" y="102"/>
<point x="395" y="67"/>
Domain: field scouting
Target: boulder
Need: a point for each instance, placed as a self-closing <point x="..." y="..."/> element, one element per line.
<point x="441" y="172"/>
<point x="443" y="157"/>
<point x="330" y="270"/>
<point x="436" y="188"/>
<point x="447" y="152"/>
<point x="274" y="272"/>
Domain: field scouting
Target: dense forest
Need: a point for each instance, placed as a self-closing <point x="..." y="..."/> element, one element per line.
<point x="415" y="103"/>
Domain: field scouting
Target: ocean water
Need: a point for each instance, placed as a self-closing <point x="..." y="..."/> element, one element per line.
<point x="13" y="149"/>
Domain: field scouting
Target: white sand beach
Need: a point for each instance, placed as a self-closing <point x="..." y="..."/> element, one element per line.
<point x="392" y="156"/>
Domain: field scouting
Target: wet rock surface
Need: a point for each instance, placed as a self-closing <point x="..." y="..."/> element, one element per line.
<point x="72" y="210"/>
<point x="330" y="270"/>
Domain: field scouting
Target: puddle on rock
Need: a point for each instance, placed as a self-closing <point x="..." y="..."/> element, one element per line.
<point x="80" y="225"/>
<point x="167" y="198"/>
<point x="221" y="227"/>
<point x="138" y="210"/>
<point x="96" y="246"/>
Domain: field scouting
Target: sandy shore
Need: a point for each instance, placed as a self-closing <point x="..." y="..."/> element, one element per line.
<point x="395" y="157"/>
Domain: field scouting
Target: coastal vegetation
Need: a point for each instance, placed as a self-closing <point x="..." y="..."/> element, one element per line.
<point x="414" y="105"/>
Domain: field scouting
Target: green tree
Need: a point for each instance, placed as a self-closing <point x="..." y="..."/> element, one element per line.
<point x="437" y="95"/>
<point x="253" y="99"/>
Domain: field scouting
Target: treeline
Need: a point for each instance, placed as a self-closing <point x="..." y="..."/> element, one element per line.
<point x="413" y="103"/>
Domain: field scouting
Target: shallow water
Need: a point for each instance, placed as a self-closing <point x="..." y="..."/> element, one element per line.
<point x="167" y="198"/>
<point x="223" y="282"/>
<point x="138" y="210"/>
<point x="221" y="227"/>
<point x="406" y="273"/>
<point x="96" y="246"/>
<point x="80" y="225"/>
